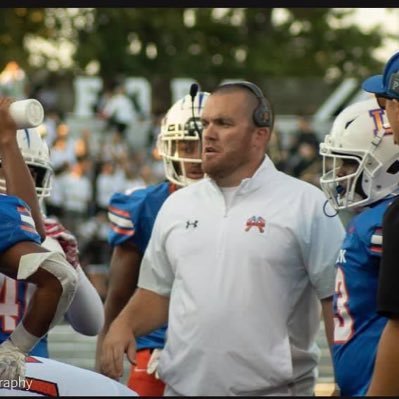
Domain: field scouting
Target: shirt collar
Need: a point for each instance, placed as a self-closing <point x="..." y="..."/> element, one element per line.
<point x="264" y="172"/>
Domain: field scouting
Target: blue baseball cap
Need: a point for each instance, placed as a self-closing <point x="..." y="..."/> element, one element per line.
<point x="386" y="84"/>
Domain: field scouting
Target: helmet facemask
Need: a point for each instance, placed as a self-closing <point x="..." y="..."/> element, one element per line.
<point x="344" y="190"/>
<point x="179" y="142"/>
<point x="42" y="177"/>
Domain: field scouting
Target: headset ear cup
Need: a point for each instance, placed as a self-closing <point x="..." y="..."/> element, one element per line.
<point x="261" y="116"/>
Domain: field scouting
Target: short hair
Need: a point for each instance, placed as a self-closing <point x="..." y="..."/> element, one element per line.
<point x="262" y="115"/>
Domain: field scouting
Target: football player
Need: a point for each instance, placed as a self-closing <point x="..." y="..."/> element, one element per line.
<point x="23" y="258"/>
<point x="86" y="313"/>
<point x="361" y="172"/>
<point x="132" y="218"/>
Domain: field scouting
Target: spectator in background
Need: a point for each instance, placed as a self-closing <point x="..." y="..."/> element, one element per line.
<point x="95" y="251"/>
<point x="149" y="175"/>
<point x="102" y="99"/>
<point x="62" y="152"/>
<point x="303" y="134"/>
<point x="82" y="144"/>
<point x="47" y="94"/>
<point x="276" y="151"/>
<point x="107" y="183"/>
<point x="303" y="152"/>
<point x="119" y="110"/>
<point x="62" y="156"/>
<point x="131" y="177"/>
<point x="309" y="164"/>
<point x="77" y="194"/>
<point x="51" y="121"/>
<point x="154" y="130"/>
<point x="54" y="204"/>
<point x="114" y="148"/>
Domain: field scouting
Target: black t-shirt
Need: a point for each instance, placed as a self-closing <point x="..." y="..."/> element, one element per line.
<point x="388" y="287"/>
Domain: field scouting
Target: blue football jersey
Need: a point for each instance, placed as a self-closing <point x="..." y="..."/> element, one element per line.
<point x="357" y="325"/>
<point x="132" y="218"/>
<point x="17" y="226"/>
<point x="16" y="222"/>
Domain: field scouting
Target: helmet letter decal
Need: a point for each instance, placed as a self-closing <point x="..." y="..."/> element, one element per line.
<point x="377" y="117"/>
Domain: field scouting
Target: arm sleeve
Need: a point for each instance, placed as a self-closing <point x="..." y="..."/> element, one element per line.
<point x="388" y="284"/>
<point x="86" y="312"/>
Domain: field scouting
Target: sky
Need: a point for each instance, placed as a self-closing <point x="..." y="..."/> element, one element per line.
<point x="367" y="18"/>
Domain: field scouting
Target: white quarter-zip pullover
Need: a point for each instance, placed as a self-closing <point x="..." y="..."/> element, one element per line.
<point x="244" y="283"/>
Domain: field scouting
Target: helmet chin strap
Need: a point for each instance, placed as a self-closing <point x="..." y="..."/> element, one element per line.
<point x="340" y="189"/>
<point x="325" y="211"/>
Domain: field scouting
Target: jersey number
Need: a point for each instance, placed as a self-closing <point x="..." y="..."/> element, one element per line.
<point x="343" y="321"/>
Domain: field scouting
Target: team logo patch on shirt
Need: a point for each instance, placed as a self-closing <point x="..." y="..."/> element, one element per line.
<point x="256" y="221"/>
<point x="28" y="223"/>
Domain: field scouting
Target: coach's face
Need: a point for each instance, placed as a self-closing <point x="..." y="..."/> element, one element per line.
<point x="229" y="136"/>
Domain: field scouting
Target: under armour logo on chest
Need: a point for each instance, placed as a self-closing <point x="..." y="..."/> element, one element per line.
<point x="193" y="224"/>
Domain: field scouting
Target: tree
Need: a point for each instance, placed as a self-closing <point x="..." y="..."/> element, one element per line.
<point x="207" y="44"/>
<point x="16" y="24"/>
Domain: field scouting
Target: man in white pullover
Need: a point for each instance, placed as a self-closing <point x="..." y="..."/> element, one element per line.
<point x="238" y="265"/>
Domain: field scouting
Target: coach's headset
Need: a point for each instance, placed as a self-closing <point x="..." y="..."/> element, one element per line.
<point x="262" y="114"/>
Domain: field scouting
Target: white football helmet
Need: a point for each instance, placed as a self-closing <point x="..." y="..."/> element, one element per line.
<point x="361" y="135"/>
<point x="37" y="156"/>
<point x="182" y="122"/>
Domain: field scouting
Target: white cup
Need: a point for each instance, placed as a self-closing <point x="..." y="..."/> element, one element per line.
<point x="27" y="113"/>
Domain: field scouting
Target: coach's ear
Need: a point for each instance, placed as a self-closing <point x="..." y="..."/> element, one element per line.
<point x="263" y="135"/>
